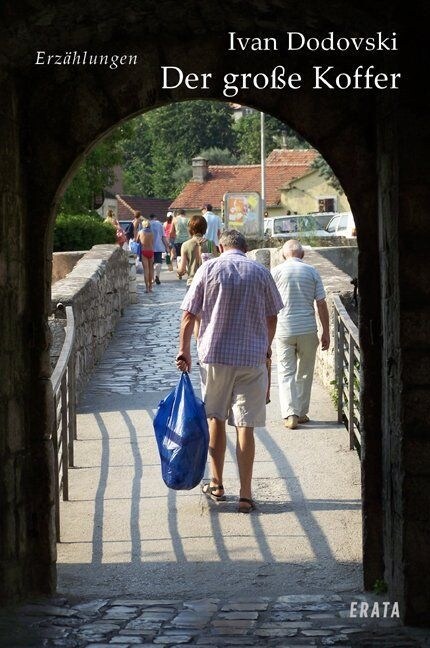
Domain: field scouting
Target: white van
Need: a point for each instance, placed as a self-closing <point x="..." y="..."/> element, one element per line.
<point x="293" y="226"/>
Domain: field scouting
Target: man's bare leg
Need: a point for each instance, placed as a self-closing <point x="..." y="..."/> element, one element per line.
<point x="245" y="453"/>
<point x="217" y="446"/>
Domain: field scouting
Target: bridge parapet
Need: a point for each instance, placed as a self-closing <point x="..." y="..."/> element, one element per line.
<point x="98" y="290"/>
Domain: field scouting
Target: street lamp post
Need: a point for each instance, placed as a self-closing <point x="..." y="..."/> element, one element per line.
<point x="263" y="164"/>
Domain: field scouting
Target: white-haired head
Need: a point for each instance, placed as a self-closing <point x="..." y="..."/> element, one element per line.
<point x="293" y="248"/>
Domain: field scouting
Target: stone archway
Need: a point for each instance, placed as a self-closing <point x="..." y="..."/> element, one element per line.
<point x="50" y="117"/>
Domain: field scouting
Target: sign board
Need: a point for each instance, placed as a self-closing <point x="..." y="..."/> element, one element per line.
<point x="243" y="212"/>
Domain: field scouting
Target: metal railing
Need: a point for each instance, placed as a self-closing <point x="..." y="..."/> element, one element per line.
<point x="64" y="426"/>
<point x="347" y="368"/>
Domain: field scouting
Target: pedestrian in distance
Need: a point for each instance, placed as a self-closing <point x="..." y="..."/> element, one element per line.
<point x="193" y="249"/>
<point x="120" y="235"/>
<point x="146" y="239"/>
<point x="238" y="303"/>
<point x="181" y="230"/>
<point x="301" y="287"/>
<point x="137" y="224"/>
<point x="214" y="229"/>
<point x="160" y="245"/>
<point x="170" y="234"/>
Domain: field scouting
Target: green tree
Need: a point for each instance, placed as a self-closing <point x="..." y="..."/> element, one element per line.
<point x="137" y="169"/>
<point x="327" y="172"/>
<point x="95" y="174"/>
<point x="171" y="136"/>
<point x="248" y="139"/>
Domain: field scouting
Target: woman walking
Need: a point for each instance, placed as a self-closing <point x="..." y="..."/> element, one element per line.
<point x="146" y="239"/>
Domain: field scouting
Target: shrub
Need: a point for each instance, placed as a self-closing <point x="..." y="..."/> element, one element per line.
<point x="81" y="232"/>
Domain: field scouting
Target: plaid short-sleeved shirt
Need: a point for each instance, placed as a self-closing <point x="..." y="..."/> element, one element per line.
<point x="233" y="295"/>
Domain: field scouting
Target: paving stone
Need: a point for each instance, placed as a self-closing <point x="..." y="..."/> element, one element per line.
<point x="143" y="624"/>
<point x="67" y="622"/>
<point x="191" y="619"/>
<point x="143" y="602"/>
<point x="276" y="632"/>
<point x="156" y="616"/>
<point x="286" y="624"/>
<point x="169" y="640"/>
<point x="233" y="623"/>
<point x="238" y="615"/>
<point x="99" y="627"/>
<point x="245" y="607"/>
<point x="129" y="641"/>
<point x="280" y="615"/>
<point x="91" y="607"/>
<point x="121" y="612"/>
<point x="301" y="598"/>
<point x="306" y="607"/>
<point x="224" y="630"/>
<point x="336" y="639"/>
<point x="138" y="633"/>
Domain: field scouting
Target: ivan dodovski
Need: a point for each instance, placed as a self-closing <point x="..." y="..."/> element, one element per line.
<point x="330" y="42"/>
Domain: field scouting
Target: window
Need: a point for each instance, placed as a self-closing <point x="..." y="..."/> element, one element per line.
<point x="332" y="226"/>
<point x="343" y="223"/>
<point x="327" y="204"/>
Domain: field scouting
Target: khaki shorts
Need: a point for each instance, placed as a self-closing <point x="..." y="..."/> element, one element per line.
<point x="235" y="393"/>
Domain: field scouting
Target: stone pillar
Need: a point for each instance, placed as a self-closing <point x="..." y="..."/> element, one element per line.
<point x="405" y="237"/>
<point x="27" y="546"/>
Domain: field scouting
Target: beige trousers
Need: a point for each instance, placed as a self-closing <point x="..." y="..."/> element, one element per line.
<point x="296" y="362"/>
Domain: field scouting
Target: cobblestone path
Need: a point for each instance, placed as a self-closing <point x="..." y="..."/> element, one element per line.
<point x="302" y="620"/>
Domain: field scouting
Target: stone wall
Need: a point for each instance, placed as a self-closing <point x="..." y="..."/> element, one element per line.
<point x="63" y="263"/>
<point x="98" y="290"/>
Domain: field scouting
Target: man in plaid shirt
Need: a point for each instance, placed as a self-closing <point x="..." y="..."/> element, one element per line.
<point x="237" y="302"/>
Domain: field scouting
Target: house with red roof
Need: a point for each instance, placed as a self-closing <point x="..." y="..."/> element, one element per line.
<point x="291" y="185"/>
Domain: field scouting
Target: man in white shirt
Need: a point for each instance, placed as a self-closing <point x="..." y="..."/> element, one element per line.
<point x="300" y="286"/>
<point x="214" y="228"/>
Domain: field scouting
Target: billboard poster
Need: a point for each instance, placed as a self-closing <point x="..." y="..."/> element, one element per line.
<point x="243" y="211"/>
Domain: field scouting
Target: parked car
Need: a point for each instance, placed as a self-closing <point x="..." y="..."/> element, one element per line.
<point x="297" y="225"/>
<point x="125" y="224"/>
<point x="323" y="218"/>
<point x="342" y="225"/>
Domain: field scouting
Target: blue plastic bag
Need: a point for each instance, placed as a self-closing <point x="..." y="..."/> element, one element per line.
<point x="182" y="434"/>
<point x="136" y="248"/>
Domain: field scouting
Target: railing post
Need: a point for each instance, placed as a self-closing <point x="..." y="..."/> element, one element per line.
<point x="56" y="475"/>
<point x="341" y="349"/>
<point x="72" y="409"/>
<point x="64" y="437"/>
<point x="351" y="357"/>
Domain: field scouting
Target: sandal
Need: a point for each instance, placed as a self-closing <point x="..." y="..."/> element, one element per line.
<point x="246" y="509"/>
<point x="208" y="490"/>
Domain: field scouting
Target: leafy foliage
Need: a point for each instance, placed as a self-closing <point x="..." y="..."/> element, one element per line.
<point x="327" y="173"/>
<point x="81" y="232"/>
<point x="168" y="138"/>
<point x="156" y="149"/>
<point x="95" y="174"/>
<point x="247" y="137"/>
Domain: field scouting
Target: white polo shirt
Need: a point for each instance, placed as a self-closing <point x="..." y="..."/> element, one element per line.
<point x="300" y="285"/>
